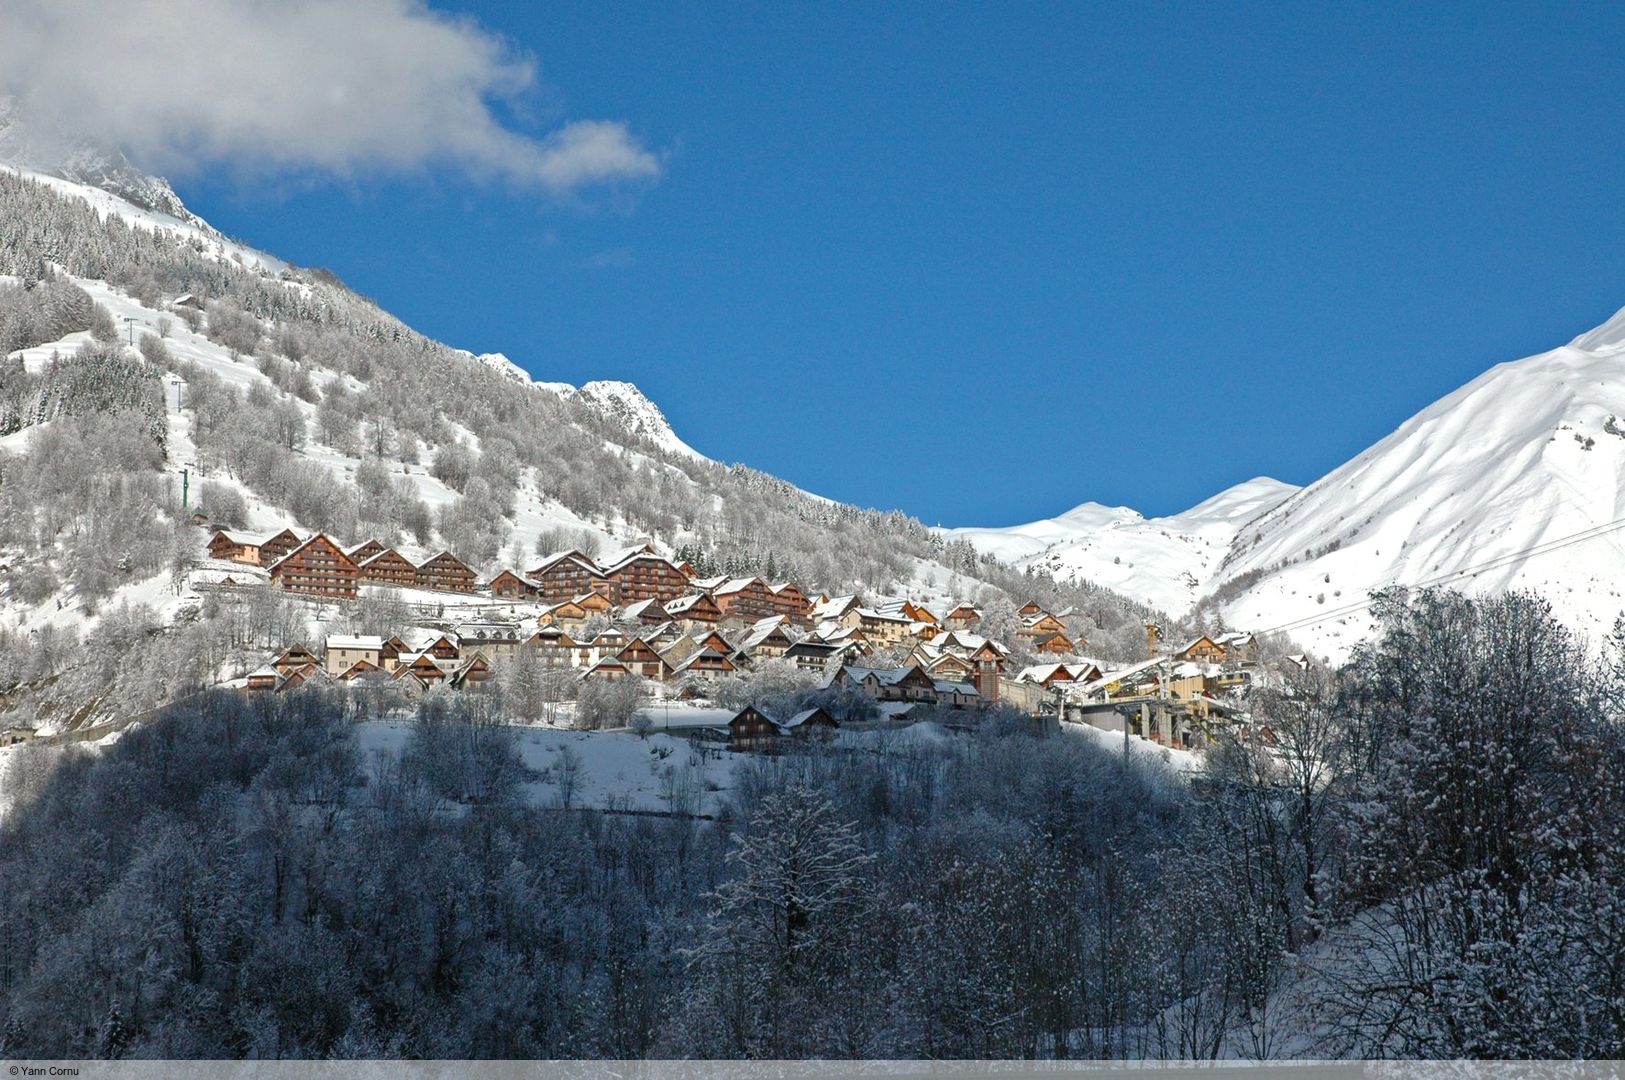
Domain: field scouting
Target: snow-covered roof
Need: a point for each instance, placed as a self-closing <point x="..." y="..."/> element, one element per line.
<point x="354" y="641"/>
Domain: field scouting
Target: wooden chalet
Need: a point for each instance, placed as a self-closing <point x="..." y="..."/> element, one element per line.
<point x="788" y="600"/>
<point x="1030" y="609"/>
<point x="608" y="669"/>
<point x="1055" y="645"/>
<point x="362" y="552"/>
<point x="646" y="612"/>
<point x="235" y="547"/>
<point x="423" y="667"/>
<point x="950" y="666"/>
<point x="705" y="662"/>
<point x="920" y="613"/>
<point x="390" y="654"/>
<point x="551" y="639"/>
<point x="472" y="671"/>
<point x="294" y="658"/>
<point x="277" y="545"/>
<point x="311" y="674"/>
<point x="318" y="567"/>
<point x="641" y="658"/>
<point x="361" y="669"/>
<point x="1040" y="626"/>
<point x="510" y="586"/>
<point x="594" y="603"/>
<point x="909" y="683"/>
<point x="265" y="678"/>
<point x="643" y="575"/>
<point x="1204" y="650"/>
<point x="694" y="608"/>
<point x="811" y="655"/>
<point x="568" y="574"/>
<point x="963" y="617"/>
<point x="743" y="598"/>
<point x="446" y="573"/>
<point x="810" y="723"/>
<point x="751" y="729"/>
<point x="564" y="613"/>
<point x="389" y="567"/>
<point x="765" y="640"/>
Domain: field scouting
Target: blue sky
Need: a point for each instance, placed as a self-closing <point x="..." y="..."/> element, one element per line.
<point x="985" y="262"/>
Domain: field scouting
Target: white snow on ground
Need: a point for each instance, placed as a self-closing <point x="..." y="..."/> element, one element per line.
<point x="1140" y="749"/>
<point x="617" y="769"/>
<point x="1166" y="562"/>
<point x="635" y="412"/>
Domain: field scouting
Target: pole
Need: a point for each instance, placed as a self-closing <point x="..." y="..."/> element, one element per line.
<point x="129" y="322"/>
<point x="186" y="487"/>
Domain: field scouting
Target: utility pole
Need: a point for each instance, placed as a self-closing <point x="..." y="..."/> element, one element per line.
<point x="129" y="322"/>
<point x="186" y="488"/>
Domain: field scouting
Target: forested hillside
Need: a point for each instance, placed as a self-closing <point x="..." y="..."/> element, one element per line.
<point x="291" y="400"/>
<point x="1425" y="864"/>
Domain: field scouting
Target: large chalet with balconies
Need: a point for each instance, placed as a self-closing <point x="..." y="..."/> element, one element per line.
<point x="446" y="573"/>
<point x="318" y="567"/>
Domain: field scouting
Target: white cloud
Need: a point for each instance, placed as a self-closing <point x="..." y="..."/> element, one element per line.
<point x="339" y="86"/>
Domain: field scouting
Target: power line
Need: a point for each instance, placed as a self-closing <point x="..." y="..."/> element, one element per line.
<point x="1545" y="547"/>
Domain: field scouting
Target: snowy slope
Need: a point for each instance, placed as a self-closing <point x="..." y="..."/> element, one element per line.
<point x="1166" y="562"/>
<point x="1530" y="453"/>
<point x="626" y="404"/>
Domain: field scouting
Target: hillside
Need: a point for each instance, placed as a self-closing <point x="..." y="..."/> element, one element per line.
<point x="1516" y="480"/>
<point x="288" y="400"/>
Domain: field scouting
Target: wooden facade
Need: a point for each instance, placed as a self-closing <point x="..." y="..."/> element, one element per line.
<point x="318" y="567"/>
<point x="751" y="729"/>
<point x="294" y="658"/>
<point x="278" y="546"/>
<point x="788" y="600"/>
<point x="510" y="586"/>
<point x="694" y="608"/>
<point x="645" y="576"/>
<point x="362" y="552"/>
<point x="640" y="658"/>
<point x="389" y="567"/>
<point x="446" y="573"/>
<point x="743" y="598"/>
<point x="567" y="575"/>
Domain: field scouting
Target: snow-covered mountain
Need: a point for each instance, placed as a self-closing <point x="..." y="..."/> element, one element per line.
<point x="1516" y="480"/>
<point x="627" y="405"/>
<point x="1166" y="562"/>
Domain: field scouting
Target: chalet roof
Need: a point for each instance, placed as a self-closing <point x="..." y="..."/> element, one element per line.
<point x="738" y="584"/>
<point x="954" y="686"/>
<point x="627" y="558"/>
<point x="884" y="676"/>
<point x="248" y="539"/>
<point x="871" y="613"/>
<point x="266" y="672"/>
<point x="834" y="607"/>
<point x="307" y="543"/>
<point x="385" y="553"/>
<point x="588" y="595"/>
<point x="797" y="719"/>
<point x="683" y="603"/>
<point x="696" y="657"/>
<point x="760" y="631"/>
<point x="963" y="610"/>
<point x="550" y="561"/>
<point x="709" y="583"/>
<point x="640" y="608"/>
<point x="810" y="647"/>
<point x="353" y="641"/>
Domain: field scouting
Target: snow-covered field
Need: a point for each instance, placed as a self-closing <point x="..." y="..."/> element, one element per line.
<point x="615" y="770"/>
